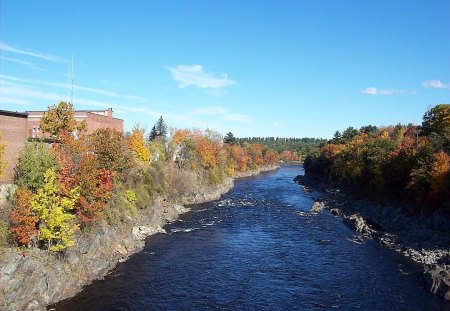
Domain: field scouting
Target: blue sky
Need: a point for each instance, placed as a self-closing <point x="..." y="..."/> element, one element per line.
<point x="255" y="68"/>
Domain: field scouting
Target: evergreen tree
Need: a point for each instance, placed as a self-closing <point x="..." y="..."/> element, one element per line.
<point x="161" y="128"/>
<point x="230" y="139"/>
<point x="153" y="133"/>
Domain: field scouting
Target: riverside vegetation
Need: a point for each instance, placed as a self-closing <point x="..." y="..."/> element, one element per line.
<point x="399" y="166"/>
<point x="76" y="184"/>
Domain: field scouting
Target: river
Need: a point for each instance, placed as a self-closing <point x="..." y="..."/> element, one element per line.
<point x="259" y="248"/>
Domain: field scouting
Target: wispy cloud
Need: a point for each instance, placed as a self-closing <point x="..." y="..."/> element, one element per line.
<point x="237" y="117"/>
<point x="16" y="60"/>
<point x="41" y="55"/>
<point x="60" y="85"/>
<point x="195" y="76"/>
<point x="19" y="92"/>
<point x="214" y="110"/>
<point x="132" y="97"/>
<point x="15" y="101"/>
<point x="435" y="84"/>
<point x="375" y="91"/>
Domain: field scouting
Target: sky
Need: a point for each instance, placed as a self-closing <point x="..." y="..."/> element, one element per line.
<point x="255" y="68"/>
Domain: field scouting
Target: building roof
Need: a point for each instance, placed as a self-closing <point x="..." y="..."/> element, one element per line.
<point x="13" y="114"/>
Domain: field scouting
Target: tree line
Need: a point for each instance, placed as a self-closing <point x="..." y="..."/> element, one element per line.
<point x="290" y="149"/>
<point x="406" y="162"/>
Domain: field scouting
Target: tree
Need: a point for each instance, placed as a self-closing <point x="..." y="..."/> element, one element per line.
<point x="59" y="119"/>
<point x="136" y="144"/>
<point x="110" y="148"/>
<point x="56" y="222"/>
<point x="24" y="221"/>
<point x="349" y="133"/>
<point x="2" y="152"/>
<point x="33" y="162"/>
<point x="230" y="139"/>
<point x="161" y="128"/>
<point x="437" y="119"/>
<point x="153" y="133"/>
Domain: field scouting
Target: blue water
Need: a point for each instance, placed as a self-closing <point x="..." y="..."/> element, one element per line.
<point x="259" y="248"/>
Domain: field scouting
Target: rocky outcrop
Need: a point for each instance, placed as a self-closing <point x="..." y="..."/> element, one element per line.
<point x="357" y="223"/>
<point x="317" y="206"/>
<point x="426" y="241"/>
<point x="33" y="279"/>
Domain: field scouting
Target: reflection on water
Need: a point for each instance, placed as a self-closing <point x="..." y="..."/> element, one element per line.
<point x="259" y="248"/>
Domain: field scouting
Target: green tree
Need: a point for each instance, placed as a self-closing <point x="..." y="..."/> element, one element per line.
<point x="33" y="162"/>
<point x="59" y="119"/>
<point x="437" y="119"/>
<point x="153" y="133"/>
<point x="230" y="139"/>
<point x="161" y="128"/>
<point x="56" y="222"/>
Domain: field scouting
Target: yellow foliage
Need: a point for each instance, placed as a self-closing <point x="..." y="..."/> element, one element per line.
<point x="137" y="145"/>
<point x="56" y="223"/>
<point x="2" y="152"/>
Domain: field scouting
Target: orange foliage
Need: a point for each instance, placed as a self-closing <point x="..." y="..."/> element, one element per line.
<point x="440" y="172"/>
<point x="206" y="150"/>
<point x="25" y="222"/>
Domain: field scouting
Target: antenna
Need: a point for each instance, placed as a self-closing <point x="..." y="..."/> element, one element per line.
<point x="72" y="87"/>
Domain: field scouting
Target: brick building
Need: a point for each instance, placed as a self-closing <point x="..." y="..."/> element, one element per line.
<point x="17" y="127"/>
<point x="95" y="119"/>
<point x="13" y="131"/>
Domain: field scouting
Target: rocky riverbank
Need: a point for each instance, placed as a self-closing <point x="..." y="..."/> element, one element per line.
<point x="426" y="240"/>
<point x="33" y="279"/>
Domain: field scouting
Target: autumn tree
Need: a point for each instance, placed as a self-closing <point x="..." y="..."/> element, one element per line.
<point x="136" y="143"/>
<point x="24" y="221"/>
<point x="54" y="210"/>
<point x="111" y="149"/>
<point x="59" y="119"/>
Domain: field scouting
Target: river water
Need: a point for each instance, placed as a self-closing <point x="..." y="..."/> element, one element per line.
<point x="259" y="248"/>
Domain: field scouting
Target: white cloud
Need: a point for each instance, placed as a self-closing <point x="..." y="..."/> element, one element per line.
<point x="237" y="117"/>
<point x="375" y="91"/>
<point x="195" y="76"/>
<point x="41" y="55"/>
<point x="435" y="84"/>
<point x="214" y="110"/>
<point x="15" y="101"/>
<point x="16" y="60"/>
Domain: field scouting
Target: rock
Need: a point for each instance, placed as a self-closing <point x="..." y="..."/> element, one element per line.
<point x="438" y="280"/>
<point x="317" y="207"/>
<point x="121" y="250"/>
<point x="297" y="179"/>
<point x="336" y="212"/>
<point x="141" y="232"/>
<point x="357" y="223"/>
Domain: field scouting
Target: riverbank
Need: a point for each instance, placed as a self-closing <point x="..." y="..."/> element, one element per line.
<point x="425" y="241"/>
<point x="36" y="278"/>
